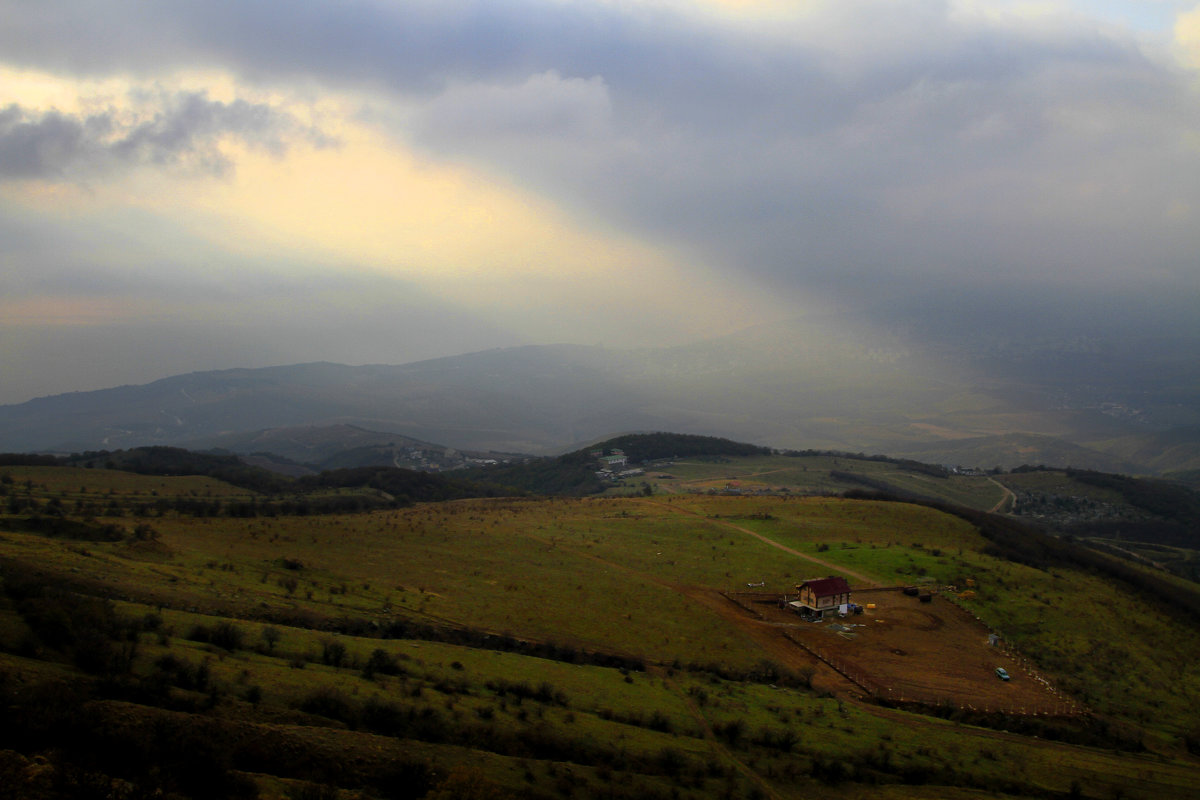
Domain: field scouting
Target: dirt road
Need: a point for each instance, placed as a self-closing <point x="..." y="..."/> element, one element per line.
<point x="862" y="580"/>
<point x="1010" y="498"/>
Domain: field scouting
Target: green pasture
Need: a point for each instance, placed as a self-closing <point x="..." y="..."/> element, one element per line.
<point x="813" y="521"/>
<point x="620" y="575"/>
<point x="1057" y="482"/>
<point x="76" y="483"/>
<point x="608" y="575"/>
<point x="1118" y="654"/>
<point x="448" y="684"/>
<point x="517" y="576"/>
<point x="811" y="475"/>
<point x="785" y="733"/>
<point x="1182" y="561"/>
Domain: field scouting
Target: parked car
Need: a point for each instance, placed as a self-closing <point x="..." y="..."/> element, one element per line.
<point x="1002" y="673"/>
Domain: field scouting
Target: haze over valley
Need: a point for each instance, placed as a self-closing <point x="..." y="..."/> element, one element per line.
<point x="1121" y="405"/>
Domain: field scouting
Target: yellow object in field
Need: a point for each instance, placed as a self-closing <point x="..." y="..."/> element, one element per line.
<point x="967" y="595"/>
<point x="970" y="582"/>
<point x="870" y="606"/>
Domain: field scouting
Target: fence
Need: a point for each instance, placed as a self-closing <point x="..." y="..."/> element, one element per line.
<point x="880" y="690"/>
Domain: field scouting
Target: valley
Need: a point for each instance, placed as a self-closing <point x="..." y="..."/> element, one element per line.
<point x="972" y="401"/>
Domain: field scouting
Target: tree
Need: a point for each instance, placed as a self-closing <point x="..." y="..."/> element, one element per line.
<point x="468" y="783"/>
<point x="333" y="653"/>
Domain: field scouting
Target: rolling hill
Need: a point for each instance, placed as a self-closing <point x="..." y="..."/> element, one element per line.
<point x="604" y="647"/>
<point x="982" y="403"/>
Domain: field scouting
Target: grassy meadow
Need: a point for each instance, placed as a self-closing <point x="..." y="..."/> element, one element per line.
<point x="817" y="474"/>
<point x="543" y="648"/>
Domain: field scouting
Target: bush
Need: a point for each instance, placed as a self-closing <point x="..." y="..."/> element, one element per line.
<point x="227" y="636"/>
<point x="380" y="662"/>
<point x="333" y="653"/>
<point x="224" y="634"/>
<point x="330" y="703"/>
<point x="181" y="673"/>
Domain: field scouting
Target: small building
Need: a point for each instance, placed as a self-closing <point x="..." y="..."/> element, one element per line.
<point x="818" y="597"/>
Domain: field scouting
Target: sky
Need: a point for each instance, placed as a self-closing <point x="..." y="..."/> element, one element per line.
<point x="190" y="185"/>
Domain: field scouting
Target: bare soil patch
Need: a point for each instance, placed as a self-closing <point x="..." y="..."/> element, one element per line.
<point x="908" y="651"/>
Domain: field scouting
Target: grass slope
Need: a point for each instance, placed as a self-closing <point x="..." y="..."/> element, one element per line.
<point x="544" y="648"/>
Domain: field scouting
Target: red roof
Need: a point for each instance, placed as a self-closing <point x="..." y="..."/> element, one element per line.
<point x="827" y="587"/>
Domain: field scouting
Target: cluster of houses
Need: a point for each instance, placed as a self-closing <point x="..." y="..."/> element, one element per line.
<point x="733" y="490"/>
<point x="614" y="467"/>
<point x="429" y="459"/>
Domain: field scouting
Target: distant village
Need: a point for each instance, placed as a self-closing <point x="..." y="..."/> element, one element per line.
<point x="615" y="467"/>
<point x="442" y="459"/>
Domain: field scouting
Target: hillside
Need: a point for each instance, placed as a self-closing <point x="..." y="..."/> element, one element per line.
<point x="1016" y="449"/>
<point x="600" y="647"/>
<point x="978" y="402"/>
<point x="320" y="447"/>
<point x="586" y="471"/>
<point x="259" y="491"/>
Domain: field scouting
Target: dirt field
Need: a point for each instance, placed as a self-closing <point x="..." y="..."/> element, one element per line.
<point x="911" y="651"/>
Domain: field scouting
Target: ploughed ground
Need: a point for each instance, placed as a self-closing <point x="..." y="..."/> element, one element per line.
<point x="907" y="651"/>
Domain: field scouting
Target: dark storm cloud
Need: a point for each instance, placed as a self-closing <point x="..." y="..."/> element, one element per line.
<point x="179" y="129"/>
<point x="864" y="144"/>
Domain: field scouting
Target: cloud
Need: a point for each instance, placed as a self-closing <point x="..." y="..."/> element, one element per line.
<point x="182" y="130"/>
<point x="860" y="149"/>
<point x="1187" y="35"/>
<point x="543" y="106"/>
<point x="857" y="141"/>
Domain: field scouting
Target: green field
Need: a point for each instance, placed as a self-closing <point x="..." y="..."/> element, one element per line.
<point x="816" y="474"/>
<point x="548" y="648"/>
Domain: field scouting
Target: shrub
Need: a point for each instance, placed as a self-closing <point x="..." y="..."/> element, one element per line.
<point x="330" y="703"/>
<point x="270" y="635"/>
<point x="380" y="662"/>
<point x="224" y="634"/>
<point x="227" y="636"/>
<point x="333" y="653"/>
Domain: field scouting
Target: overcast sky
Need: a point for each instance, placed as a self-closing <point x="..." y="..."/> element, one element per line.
<point x="190" y="184"/>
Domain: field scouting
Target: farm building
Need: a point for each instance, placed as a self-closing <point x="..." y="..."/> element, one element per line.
<point x="821" y="596"/>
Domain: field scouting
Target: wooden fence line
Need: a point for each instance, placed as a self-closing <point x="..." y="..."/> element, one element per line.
<point x="880" y="691"/>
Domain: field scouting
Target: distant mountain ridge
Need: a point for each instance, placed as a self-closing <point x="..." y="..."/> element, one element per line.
<point x="460" y="401"/>
<point x="785" y="386"/>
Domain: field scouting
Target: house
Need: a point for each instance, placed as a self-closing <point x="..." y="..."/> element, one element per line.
<point x="821" y="596"/>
